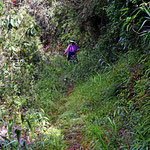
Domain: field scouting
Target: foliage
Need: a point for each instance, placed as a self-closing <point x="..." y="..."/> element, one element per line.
<point x="19" y="51"/>
<point x="20" y="65"/>
<point x="27" y="129"/>
<point x="106" y="89"/>
<point x="137" y="23"/>
<point x="114" y="105"/>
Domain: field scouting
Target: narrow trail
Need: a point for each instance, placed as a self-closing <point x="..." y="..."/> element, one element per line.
<point x="73" y="135"/>
<point x="70" y="89"/>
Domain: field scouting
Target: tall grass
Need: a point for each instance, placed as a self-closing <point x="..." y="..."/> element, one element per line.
<point x="103" y="103"/>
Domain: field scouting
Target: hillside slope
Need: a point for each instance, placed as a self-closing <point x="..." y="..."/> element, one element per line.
<point x="100" y="101"/>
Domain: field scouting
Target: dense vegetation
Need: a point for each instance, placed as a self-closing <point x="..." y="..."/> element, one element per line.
<point x="102" y="101"/>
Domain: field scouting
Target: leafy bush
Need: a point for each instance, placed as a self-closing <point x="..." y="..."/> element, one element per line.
<point x="19" y="51"/>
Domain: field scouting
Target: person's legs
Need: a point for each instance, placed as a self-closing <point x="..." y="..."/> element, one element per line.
<point x="69" y="56"/>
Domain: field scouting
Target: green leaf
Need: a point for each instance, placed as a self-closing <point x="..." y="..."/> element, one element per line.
<point x="30" y="126"/>
<point x="125" y="9"/>
<point x="18" y="133"/>
<point x="1" y="5"/>
<point x="128" y="19"/>
<point x="128" y="27"/>
<point x="10" y="128"/>
<point x="124" y="25"/>
<point x="12" y="22"/>
<point x="136" y="14"/>
<point x="147" y="11"/>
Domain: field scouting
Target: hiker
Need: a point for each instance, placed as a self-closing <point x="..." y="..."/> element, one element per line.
<point x="71" y="49"/>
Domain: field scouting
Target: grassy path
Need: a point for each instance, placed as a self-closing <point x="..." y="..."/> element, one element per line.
<point x="74" y="137"/>
<point x="73" y="134"/>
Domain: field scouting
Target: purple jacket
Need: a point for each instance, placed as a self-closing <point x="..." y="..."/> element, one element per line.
<point x="71" y="48"/>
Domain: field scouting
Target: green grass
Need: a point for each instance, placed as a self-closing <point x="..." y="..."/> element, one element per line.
<point x="112" y="104"/>
<point x="101" y="103"/>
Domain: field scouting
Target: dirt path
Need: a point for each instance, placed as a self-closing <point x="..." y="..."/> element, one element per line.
<point x="70" y="89"/>
<point x="74" y="137"/>
<point x="74" y="134"/>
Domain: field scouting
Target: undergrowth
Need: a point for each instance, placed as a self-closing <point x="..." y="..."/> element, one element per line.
<point x="105" y="93"/>
<point x="114" y="110"/>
